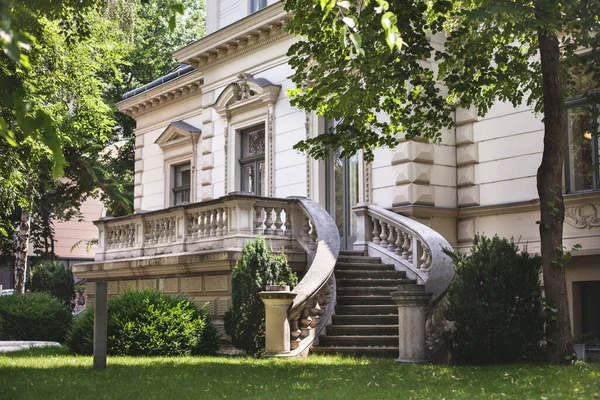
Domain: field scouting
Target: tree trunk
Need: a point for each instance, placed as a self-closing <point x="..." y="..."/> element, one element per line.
<point x="552" y="209"/>
<point x="21" y="252"/>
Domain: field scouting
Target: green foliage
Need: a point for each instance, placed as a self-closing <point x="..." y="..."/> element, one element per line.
<point x="53" y="278"/>
<point x="149" y="323"/>
<point x="245" y="321"/>
<point x="495" y="302"/>
<point x="33" y="316"/>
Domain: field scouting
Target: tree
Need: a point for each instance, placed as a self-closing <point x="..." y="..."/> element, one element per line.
<point x="361" y="60"/>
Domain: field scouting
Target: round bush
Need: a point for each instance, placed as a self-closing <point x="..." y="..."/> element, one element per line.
<point x="496" y="304"/>
<point x="33" y="316"/>
<point x="245" y="321"/>
<point x="149" y="323"/>
<point x="54" y="278"/>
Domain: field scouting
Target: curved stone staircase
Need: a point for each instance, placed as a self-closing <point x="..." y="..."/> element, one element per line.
<point x="365" y="322"/>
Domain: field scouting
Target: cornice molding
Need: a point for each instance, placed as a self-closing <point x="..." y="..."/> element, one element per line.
<point x="246" y="35"/>
<point x="171" y="92"/>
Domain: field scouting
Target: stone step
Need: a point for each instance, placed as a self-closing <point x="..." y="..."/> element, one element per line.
<point x="364" y="319"/>
<point x="355" y="253"/>
<point x="360" y="259"/>
<point x="362" y="340"/>
<point x="346" y="266"/>
<point x="391" y="283"/>
<point x="355" y="351"/>
<point x="347" y="300"/>
<point x="356" y="330"/>
<point x="369" y="309"/>
<point x="365" y="291"/>
<point x="369" y="274"/>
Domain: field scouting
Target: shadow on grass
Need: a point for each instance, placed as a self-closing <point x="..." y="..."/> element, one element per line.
<point x="49" y="373"/>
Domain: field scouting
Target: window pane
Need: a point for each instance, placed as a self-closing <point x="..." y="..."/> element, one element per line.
<point x="581" y="160"/>
<point x="253" y="142"/>
<point x="248" y="174"/>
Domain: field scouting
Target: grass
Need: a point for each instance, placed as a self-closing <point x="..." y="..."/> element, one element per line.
<point x="52" y="373"/>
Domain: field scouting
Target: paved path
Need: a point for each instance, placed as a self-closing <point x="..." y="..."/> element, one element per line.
<point x="22" y="345"/>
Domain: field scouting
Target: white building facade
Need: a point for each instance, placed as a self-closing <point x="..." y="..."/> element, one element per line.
<point x="223" y="124"/>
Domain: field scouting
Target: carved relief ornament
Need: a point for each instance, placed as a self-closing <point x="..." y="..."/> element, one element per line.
<point x="583" y="216"/>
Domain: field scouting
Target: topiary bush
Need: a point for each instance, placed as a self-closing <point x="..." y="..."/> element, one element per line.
<point x="495" y="302"/>
<point x="53" y="278"/>
<point x="245" y="321"/>
<point x="149" y="323"/>
<point x="33" y="316"/>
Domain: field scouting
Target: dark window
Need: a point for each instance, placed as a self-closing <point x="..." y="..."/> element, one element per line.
<point x="256" y="5"/>
<point x="252" y="161"/>
<point x="582" y="170"/>
<point x="181" y="184"/>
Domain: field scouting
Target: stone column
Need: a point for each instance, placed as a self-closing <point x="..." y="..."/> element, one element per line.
<point x="277" y="301"/>
<point x="412" y="310"/>
<point x="100" y="325"/>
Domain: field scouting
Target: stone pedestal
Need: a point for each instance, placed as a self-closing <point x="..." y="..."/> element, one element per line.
<point x="277" y="327"/>
<point x="412" y="313"/>
<point x="100" y="325"/>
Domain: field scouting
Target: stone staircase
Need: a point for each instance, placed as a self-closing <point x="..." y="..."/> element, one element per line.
<point x="365" y="322"/>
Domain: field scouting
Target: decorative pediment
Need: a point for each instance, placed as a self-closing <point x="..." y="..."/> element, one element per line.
<point x="178" y="133"/>
<point x="246" y="93"/>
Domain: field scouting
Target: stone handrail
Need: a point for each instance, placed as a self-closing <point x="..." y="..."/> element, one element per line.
<point x="414" y="248"/>
<point x="223" y="223"/>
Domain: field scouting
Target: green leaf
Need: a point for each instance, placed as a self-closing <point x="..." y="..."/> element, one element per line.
<point x="6" y="133"/>
<point x="388" y="20"/>
<point x="350" y="22"/>
<point x="356" y="40"/>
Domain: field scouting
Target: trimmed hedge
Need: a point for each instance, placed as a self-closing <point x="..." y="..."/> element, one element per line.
<point x="33" y="316"/>
<point x="149" y="323"/>
<point x="245" y="321"/>
<point x="495" y="301"/>
<point x="54" y="278"/>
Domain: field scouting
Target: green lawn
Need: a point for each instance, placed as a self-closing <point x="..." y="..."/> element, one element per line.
<point x="54" y="374"/>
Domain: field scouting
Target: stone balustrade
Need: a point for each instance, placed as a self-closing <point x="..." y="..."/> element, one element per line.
<point x="416" y="249"/>
<point x="222" y="223"/>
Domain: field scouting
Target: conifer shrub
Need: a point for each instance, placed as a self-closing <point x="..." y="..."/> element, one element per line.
<point x="149" y="323"/>
<point x="495" y="302"/>
<point x="53" y="278"/>
<point x="33" y="316"/>
<point x="245" y="321"/>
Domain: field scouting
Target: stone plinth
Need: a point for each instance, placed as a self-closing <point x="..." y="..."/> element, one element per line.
<point x="277" y="327"/>
<point x="412" y="313"/>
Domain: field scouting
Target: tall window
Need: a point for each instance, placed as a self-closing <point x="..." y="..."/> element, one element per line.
<point x="252" y="161"/>
<point x="181" y="184"/>
<point x="582" y="171"/>
<point x="256" y="5"/>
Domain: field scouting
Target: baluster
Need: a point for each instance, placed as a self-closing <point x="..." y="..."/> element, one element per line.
<point x="383" y="235"/>
<point x="306" y="323"/>
<point x="288" y="222"/>
<point x="269" y="221"/>
<point x="131" y="235"/>
<point x="213" y="225"/>
<point x="121" y="237"/>
<point x="278" y="222"/>
<point x="313" y="237"/>
<point x="391" y="239"/>
<point x="425" y="259"/>
<point x="155" y="231"/>
<point x="192" y="228"/>
<point x="225" y="216"/>
<point x="199" y="225"/>
<point x="206" y="217"/>
<point x="295" y="333"/>
<point x="258" y="220"/>
<point x="406" y="246"/>
<point x="172" y="229"/>
<point x="305" y="230"/>
<point x="399" y="242"/>
<point x="315" y="310"/>
<point x="220" y="222"/>
<point x="376" y="231"/>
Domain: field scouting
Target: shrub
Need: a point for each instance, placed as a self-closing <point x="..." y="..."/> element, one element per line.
<point x="245" y="321"/>
<point x="53" y="278"/>
<point x="149" y="323"/>
<point x="496" y="304"/>
<point x="33" y="316"/>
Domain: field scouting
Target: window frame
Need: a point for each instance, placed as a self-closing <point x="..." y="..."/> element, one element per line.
<point x="594" y="107"/>
<point x="175" y="189"/>
<point x="256" y="5"/>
